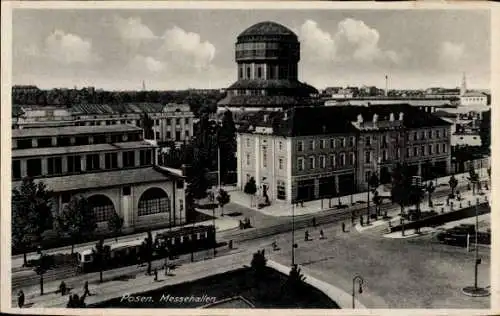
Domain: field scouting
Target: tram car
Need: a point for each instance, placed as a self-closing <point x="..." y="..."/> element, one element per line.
<point x="169" y="243"/>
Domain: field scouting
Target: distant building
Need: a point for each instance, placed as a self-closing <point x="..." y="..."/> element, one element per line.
<point x="308" y="153"/>
<point x="24" y="88"/>
<point x="110" y="165"/>
<point x="172" y="122"/>
<point x="473" y="98"/>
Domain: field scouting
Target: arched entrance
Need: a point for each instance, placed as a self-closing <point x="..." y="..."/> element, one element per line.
<point x="154" y="201"/>
<point x="102" y="207"/>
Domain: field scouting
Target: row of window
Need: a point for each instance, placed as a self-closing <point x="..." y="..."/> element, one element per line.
<point x="273" y="72"/>
<point x="74" y="163"/>
<point x="424" y="150"/>
<point x="422" y="135"/>
<point x="324" y="144"/>
<point x="334" y="161"/>
<point x="81" y="140"/>
<point x="135" y="122"/>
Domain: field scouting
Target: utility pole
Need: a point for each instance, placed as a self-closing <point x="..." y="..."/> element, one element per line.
<point x="293" y="234"/>
<point x="218" y="165"/>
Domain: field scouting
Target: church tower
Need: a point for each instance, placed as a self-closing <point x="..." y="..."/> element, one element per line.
<point x="463" y="87"/>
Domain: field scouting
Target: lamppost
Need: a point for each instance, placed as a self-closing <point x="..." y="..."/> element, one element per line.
<point x="294" y="245"/>
<point x="360" y="281"/>
<point x="476" y="291"/>
<point x="212" y="201"/>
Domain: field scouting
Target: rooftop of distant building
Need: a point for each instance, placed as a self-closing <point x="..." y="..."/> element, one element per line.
<point x="73" y="130"/>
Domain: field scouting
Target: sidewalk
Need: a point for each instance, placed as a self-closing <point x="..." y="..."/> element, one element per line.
<point x="283" y="209"/>
<point x="439" y="206"/>
<point x="138" y="282"/>
<point x="221" y="225"/>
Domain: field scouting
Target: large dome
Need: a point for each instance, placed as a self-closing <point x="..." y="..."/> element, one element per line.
<point x="267" y="29"/>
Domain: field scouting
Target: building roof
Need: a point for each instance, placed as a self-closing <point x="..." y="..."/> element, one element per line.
<point x="72" y="130"/>
<point x="102" y="179"/>
<point x="267" y="28"/>
<point x="263" y="101"/>
<point x="474" y="94"/>
<point x="54" y="151"/>
<point x="305" y="121"/>
<point x="272" y="84"/>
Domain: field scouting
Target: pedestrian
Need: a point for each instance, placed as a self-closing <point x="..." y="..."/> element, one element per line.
<point x="321" y="234"/>
<point x="306" y="235"/>
<point x="62" y="288"/>
<point x="20" y="299"/>
<point x="343" y="227"/>
<point x="86" y="289"/>
<point x="314" y="221"/>
<point x="301" y="203"/>
<point x="275" y="245"/>
<point x="156" y="274"/>
<point x="361" y="222"/>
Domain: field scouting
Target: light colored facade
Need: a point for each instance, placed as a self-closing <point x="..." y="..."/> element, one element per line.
<point x="110" y="165"/>
<point x="172" y="122"/>
<point x="473" y="98"/>
<point x="327" y="164"/>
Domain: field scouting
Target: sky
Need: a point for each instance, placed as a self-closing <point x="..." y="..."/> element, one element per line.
<point x="172" y="49"/>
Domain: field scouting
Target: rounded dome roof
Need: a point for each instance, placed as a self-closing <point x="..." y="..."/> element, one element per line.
<point x="267" y="28"/>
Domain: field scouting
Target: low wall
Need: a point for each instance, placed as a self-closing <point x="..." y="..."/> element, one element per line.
<point x="440" y="219"/>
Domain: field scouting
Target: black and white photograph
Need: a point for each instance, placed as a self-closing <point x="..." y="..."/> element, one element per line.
<point x="247" y="157"/>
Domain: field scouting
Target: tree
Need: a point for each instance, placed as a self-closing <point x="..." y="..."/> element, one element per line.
<point x="147" y="125"/>
<point x="223" y="198"/>
<point x="31" y="214"/>
<point x="76" y="219"/>
<point x="453" y="184"/>
<point x="377" y="200"/>
<point x="258" y="266"/>
<point x="474" y="179"/>
<point x="294" y="285"/>
<point x="372" y="184"/>
<point x="148" y="250"/>
<point x="115" y="224"/>
<point x="101" y="253"/>
<point x="400" y="187"/>
<point x="250" y="188"/>
<point x="227" y="144"/>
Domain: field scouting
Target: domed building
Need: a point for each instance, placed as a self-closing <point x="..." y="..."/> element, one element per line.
<point x="267" y="55"/>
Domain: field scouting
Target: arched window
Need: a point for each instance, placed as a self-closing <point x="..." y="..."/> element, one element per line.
<point x="102" y="207"/>
<point x="154" y="201"/>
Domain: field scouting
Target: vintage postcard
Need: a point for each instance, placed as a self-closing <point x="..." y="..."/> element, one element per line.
<point x="218" y="157"/>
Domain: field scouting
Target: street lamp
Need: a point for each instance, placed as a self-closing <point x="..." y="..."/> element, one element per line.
<point x="294" y="245"/>
<point x="360" y="281"/>
<point x="212" y="201"/>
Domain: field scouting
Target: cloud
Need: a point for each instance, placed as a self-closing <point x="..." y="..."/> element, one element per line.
<point x="133" y="32"/>
<point x="353" y="40"/>
<point x="67" y="48"/>
<point x="186" y="49"/>
<point x="451" y="53"/>
<point x="140" y="63"/>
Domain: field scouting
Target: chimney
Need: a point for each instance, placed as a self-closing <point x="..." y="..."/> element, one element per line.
<point x="266" y="116"/>
<point x="375" y="118"/>
<point x="401" y="116"/>
<point x="360" y="118"/>
<point x="391" y="117"/>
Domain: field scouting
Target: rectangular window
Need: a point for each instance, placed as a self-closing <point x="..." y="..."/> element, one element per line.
<point x="332" y="143"/>
<point x="177" y="121"/>
<point x="54" y="165"/>
<point x="74" y="164"/>
<point x="322" y="144"/>
<point x="415" y="136"/>
<point x="177" y="135"/>
<point x="16" y="169"/>
<point x="300" y="145"/>
<point x="154" y="205"/>
<point x="110" y="160"/>
<point x="103" y="212"/>
<point x="437" y="148"/>
<point x="116" y="138"/>
<point x="311" y="145"/>
<point x="368" y="156"/>
<point x="430" y="134"/>
<point x="126" y="191"/>
<point x="384" y="139"/>
<point x="422" y="150"/>
<point x="92" y="162"/>
<point x="438" y="133"/>
<point x="422" y="135"/>
<point x="248" y="159"/>
<point x="444" y="148"/>
<point x="312" y="162"/>
<point x="169" y="135"/>
<point x="430" y="150"/>
<point x="352" y="159"/>
<point x="384" y="155"/>
<point x="99" y="139"/>
<point x="168" y="122"/>
<point x="342" y="159"/>
<point x="81" y="140"/>
<point x="333" y="161"/>
<point x="368" y="141"/>
<point x="300" y="164"/>
<point x="34" y="167"/>
<point x="24" y="143"/>
<point x="408" y="152"/>
<point x="44" y="142"/>
<point x="280" y="163"/>
<point x="398" y="153"/>
<point x="128" y="159"/>
<point x="322" y="162"/>
<point x="281" y="190"/>
<point x="264" y="156"/>
<point x="352" y="140"/>
<point x="415" y="151"/>
<point x="342" y="142"/>
<point x="145" y="157"/>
